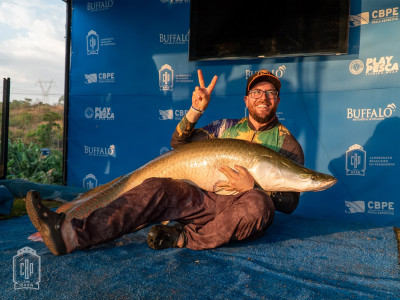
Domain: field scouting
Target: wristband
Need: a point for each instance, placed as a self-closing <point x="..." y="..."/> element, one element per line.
<point x="198" y="110"/>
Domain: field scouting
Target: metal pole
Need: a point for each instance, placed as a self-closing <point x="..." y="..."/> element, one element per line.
<point x="66" y="88"/>
<point x="4" y="128"/>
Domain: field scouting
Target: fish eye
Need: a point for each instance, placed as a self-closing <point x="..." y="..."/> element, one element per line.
<point x="313" y="177"/>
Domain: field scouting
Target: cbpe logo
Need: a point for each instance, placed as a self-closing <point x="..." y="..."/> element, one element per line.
<point x="370" y="207"/>
<point x="360" y="19"/>
<point x="356" y="160"/>
<point x="105" y="77"/>
<point x="376" y="16"/>
<point x="26" y="269"/>
<point x="166" y="78"/>
<point x="167" y="114"/>
<point x="353" y="207"/>
<point x="170" y="114"/>
<point x="99" y="113"/>
<point x="90" y="78"/>
<point x="385" y="15"/>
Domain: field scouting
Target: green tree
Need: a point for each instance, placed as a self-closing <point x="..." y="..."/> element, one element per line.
<point x="47" y="135"/>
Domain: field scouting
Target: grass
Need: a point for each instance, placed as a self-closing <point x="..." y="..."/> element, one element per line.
<point x="19" y="210"/>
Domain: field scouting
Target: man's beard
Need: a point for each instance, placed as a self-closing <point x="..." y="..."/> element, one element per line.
<point x="261" y="119"/>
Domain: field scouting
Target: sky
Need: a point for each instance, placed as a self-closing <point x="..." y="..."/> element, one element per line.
<point x="32" y="48"/>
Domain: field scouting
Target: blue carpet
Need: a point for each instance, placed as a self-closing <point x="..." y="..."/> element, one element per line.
<point x="298" y="258"/>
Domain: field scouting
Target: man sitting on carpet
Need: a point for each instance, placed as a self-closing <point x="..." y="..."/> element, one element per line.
<point x="205" y="220"/>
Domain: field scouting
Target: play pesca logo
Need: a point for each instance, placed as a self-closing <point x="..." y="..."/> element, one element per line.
<point x="99" y="113"/>
<point x="374" y="66"/>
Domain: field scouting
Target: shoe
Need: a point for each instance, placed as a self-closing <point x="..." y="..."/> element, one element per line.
<point x="163" y="236"/>
<point x="47" y="222"/>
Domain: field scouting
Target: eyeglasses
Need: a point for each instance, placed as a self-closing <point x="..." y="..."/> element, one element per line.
<point x="258" y="94"/>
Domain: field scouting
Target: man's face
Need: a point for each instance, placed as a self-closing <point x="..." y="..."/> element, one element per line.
<point x="264" y="108"/>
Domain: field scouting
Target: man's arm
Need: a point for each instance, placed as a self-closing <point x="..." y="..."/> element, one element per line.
<point x="185" y="132"/>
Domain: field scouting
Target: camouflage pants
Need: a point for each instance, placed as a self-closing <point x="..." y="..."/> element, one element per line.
<point x="210" y="220"/>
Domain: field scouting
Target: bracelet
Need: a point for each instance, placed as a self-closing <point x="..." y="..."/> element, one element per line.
<point x="198" y="110"/>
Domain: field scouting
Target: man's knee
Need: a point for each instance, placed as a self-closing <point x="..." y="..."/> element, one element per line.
<point x="259" y="204"/>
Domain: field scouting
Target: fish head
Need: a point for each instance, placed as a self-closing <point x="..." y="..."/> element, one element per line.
<point x="278" y="173"/>
<point x="313" y="181"/>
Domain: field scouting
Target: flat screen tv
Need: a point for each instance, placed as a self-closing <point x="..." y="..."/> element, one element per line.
<point x="224" y="29"/>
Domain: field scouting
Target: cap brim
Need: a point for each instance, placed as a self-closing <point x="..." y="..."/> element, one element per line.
<point x="267" y="78"/>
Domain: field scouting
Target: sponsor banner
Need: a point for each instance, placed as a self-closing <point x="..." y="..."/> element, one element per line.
<point x="131" y="83"/>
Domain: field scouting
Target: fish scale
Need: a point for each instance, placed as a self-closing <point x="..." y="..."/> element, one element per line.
<point x="198" y="163"/>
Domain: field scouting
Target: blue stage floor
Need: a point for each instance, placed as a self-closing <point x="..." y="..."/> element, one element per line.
<point x="298" y="258"/>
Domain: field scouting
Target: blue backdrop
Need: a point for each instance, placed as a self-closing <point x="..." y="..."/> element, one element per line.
<point x="131" y="83"/>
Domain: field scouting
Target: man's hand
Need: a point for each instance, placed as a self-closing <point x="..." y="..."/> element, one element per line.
<point x="239" y="179"/>
<point x="200" y="98"/>
<point x="202" y="94"/>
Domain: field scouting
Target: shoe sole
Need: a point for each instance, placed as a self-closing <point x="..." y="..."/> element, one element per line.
<point x="32" y="207"/>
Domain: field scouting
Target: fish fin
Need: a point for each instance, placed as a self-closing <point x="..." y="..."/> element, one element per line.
<point x="36" y="237"/>
<point x="221" y="188"/>
<point x="224" y="192"/>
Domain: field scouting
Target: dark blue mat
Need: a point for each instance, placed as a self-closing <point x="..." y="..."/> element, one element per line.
<point x="299" y="258"/>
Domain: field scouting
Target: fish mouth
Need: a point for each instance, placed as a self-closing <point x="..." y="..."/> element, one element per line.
<point x="328" y="184"/>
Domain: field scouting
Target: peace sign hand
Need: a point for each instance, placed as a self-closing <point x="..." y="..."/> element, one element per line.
<point x="202" y="94"/>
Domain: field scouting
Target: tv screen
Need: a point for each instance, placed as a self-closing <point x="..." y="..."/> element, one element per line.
<point x="261" y="28"/>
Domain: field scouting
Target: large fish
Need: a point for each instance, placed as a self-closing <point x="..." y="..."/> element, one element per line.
<point x="198" y="163"/>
